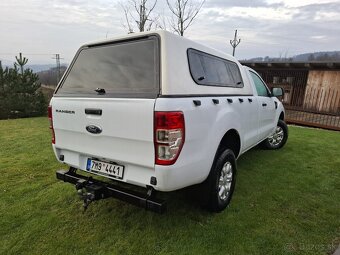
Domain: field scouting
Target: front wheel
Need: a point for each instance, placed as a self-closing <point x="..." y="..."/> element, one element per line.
<point x="278" y="139"/>
<point x="221" y="181"/>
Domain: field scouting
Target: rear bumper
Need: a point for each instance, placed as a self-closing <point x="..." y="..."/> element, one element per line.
<point x="101" y="190"/>
<point x="182" y="174"/>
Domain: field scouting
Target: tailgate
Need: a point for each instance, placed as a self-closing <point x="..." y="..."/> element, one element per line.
<point x="126" y="124"/>
<point x="104" y="105"/>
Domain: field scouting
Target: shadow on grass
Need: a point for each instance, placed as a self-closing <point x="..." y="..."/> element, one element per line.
<point x="187" y="201"/>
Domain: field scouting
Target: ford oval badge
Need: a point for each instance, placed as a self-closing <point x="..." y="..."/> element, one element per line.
<point x="93" y="129"/>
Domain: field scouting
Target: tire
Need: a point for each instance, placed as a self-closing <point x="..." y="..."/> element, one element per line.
<point x="278" y="139"/>
<point x="224" y="164"/>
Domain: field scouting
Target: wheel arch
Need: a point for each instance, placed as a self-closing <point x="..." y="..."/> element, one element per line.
<point x="231" y="140"/>
<point x="282" y="116"/>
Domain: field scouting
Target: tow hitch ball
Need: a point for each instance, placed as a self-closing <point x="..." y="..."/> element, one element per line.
<point x="88" y="196"/>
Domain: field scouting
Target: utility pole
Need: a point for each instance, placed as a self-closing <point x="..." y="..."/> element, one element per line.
<point x="57" y="59"/>
<point x="235" y="42"/>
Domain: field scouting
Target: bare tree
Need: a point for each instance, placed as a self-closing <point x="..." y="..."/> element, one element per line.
<point x="137" y="14"/>
<point x="128" y="25"/>
<point x="160" y="21"/>
<point x="184" y="12"/>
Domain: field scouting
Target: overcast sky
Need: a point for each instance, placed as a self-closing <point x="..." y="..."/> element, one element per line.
<point x="40" y="28"/>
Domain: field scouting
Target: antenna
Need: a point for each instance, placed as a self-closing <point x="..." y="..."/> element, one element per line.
<point x="235" y="42"/>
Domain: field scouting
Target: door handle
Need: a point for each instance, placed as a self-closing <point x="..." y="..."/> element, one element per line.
<point x="264" y="104"/>
<point x="93" y="111"/>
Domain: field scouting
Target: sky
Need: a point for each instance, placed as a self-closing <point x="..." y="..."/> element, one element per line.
<point x="41" y="28"/>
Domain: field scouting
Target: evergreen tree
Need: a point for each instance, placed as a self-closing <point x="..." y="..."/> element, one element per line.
<point x="20" y="94"/>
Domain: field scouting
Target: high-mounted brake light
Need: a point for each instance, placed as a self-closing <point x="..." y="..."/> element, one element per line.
<point x="50" y="117"/>
<point x="169" y="136"/>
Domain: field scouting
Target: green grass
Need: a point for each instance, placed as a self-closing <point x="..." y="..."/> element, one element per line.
<point x="285" y="202"/>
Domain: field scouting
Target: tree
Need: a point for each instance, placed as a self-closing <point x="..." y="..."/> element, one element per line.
<point x="21" y="61"/>
<point x="20" y="94"/>
<point x="138" y="14"/>
<point x="184" y="12"/>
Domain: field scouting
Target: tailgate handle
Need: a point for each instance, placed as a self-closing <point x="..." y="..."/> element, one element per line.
<point x="93" y="111"/>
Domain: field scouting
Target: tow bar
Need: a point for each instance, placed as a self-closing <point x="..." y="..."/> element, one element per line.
<point x="90" y="190"/>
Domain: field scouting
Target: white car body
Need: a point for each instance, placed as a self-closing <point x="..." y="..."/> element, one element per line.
<point x="127" y="124"/>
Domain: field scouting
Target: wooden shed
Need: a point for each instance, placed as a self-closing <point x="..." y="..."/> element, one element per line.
<point x="312" y="86"/>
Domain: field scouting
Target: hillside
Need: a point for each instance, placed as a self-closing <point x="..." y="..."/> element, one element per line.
<point x="333" y="56"/>
<point x="49" y="77"/>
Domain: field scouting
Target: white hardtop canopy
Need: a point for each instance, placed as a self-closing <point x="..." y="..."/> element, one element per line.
<point x="175" y="74"/>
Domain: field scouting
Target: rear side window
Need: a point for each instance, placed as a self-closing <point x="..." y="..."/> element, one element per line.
<point x="122" y="69"/>
<point x="210" y="70"/>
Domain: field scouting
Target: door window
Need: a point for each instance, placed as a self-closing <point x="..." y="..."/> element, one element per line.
<point x="261" y="88"/>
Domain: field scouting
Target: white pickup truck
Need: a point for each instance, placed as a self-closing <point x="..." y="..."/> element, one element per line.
<point x="162" y="112"/>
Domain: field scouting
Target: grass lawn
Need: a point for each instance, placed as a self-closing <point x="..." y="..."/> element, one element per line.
<point x="285" y="202"/>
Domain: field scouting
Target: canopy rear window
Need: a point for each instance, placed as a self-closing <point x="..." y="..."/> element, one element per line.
<point x="123" y="69"/>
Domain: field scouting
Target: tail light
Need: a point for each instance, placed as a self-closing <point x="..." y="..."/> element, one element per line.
<point x="169" y="136"/>
<point x="50" y="117"/>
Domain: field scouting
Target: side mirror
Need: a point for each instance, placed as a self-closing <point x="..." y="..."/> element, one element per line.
<point x="277" y="92"/>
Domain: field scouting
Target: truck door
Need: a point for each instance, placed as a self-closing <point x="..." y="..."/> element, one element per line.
<point x="266" y="107"/>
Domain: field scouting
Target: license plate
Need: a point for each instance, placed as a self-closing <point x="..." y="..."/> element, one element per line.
<point x="105" y="168"/>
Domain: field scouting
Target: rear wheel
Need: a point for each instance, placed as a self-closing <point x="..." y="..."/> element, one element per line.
<point x="221" y="181"/>
<point x="278" y="139"/>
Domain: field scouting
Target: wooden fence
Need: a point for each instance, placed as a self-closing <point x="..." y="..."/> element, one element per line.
<point x="319" y="108"/>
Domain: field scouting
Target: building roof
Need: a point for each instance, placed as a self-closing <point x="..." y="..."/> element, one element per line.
<point x="313" y="65"/>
